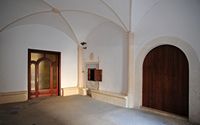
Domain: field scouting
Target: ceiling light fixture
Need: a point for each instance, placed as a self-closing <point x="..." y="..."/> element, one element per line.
<point x="84" y="45"/>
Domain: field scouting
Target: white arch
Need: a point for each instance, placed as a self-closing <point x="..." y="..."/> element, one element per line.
<point x="21" y="18"/>
<point x="115" y="13"/>
<point x="59" y="12"/>
<point x="92" y="13"/>
<point x="42" y="12"/>
<point x="194" y="73"/>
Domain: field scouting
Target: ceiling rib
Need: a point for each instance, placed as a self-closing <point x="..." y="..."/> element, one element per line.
<point x="77" y="41"/>
<point x="81" y="11"/>
<point x="109" y="7"/>
<point x="21" y="18"/>
<point x="130" y="16"/>
<point x="148" y="11"/>
<point x="56" y="10"/>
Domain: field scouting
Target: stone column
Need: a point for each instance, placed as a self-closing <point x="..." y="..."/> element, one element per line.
<point x="130" y="69"/>
<point x="80" y="68"/>
<point x="81" y="73"/>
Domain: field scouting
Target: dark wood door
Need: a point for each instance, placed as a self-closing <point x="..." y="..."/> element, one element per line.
<point x="165" y="80"/>
<point x="43" y="73"/>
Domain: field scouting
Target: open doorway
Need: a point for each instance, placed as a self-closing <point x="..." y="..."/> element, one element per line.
<point x="43" y="73"/>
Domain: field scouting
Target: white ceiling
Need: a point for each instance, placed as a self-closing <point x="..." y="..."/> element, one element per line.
<point x="77" y="18"/>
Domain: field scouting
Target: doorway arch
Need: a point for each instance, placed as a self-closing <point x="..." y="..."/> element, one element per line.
<point x="194" y="73"/>
<point x="43" y="73"/>
<point x="166" y="80"/>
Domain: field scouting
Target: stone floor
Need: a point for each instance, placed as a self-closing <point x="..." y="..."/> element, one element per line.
<point x="78" y="110"/>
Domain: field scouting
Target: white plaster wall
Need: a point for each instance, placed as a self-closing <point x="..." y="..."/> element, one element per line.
<point x="14" y="44"/>
<point x="174" y="22"/>
<point x="80" y="20"/>
<point x="179" y="18"/>
<point x="109" y="43"/>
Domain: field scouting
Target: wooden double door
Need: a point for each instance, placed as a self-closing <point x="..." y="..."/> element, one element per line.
<point x="166" y="80"/>
<point x="43" y="73"/>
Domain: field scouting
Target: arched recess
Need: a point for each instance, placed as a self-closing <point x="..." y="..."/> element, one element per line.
<point x="194" y="73"/>
<point x="16" y="41"/>
<point x="166" y="80"/>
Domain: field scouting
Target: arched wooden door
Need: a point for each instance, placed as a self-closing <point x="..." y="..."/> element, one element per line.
<point x="166" y="80"/>
<point x="44" y="73"/>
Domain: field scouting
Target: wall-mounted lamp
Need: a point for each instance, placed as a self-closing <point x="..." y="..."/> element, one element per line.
<point x="84" y="45"/>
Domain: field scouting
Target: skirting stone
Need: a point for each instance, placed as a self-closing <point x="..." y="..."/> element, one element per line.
<point x="109" y="97"/>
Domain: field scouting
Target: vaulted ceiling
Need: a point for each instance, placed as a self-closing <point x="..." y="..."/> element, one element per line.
<point x="77" y="18"/>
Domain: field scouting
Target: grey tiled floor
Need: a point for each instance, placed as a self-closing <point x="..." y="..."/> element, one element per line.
<point x="78" y="110"/>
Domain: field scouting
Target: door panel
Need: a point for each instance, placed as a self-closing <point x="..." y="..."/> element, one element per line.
<point x="166" y="80"/>
<point x="44" y="73"/>
<point x="36" y="56"/>
<point x="33" y="77"/>
<point x="55" y="76"/>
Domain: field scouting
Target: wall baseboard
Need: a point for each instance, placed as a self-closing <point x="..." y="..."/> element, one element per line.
<point x="21" y="96"/>
<point x="10" y="97"/>
<point x="69" y="91"/>
<point x="113" y="98"/>
<point x="83" y="91"/>
<point x="109" y="97"/>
